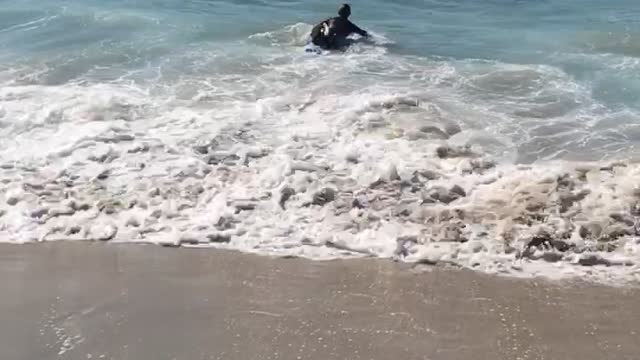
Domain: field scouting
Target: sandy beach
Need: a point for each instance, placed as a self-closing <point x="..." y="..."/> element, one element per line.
<point x="126" y="302"/>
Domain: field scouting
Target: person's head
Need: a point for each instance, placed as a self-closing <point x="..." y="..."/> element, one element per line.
<point x="344" y="11"/>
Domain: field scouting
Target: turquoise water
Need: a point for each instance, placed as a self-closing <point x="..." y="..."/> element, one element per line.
<point x="581" y="58"/>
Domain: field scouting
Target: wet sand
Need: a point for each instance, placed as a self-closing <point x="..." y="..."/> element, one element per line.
<point x="128" y="302"/>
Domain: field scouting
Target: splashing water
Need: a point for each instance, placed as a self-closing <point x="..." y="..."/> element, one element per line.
<point x="460" y="134"/>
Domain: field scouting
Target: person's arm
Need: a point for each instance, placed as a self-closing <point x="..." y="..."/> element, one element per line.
<point x="355" y="29"/>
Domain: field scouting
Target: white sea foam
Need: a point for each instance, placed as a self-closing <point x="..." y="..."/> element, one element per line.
<point x="362" y="154"/>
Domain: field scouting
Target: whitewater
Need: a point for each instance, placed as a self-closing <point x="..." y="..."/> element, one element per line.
<point x="501" y="137"/>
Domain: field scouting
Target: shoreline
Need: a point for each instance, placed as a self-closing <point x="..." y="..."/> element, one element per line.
<point x="80" y="301"/>
<point x="574" y="279"/>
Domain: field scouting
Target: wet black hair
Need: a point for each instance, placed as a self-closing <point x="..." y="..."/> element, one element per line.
<point x="344" y="11"/>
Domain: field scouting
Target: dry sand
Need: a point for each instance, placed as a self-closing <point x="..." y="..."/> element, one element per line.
<point x="127" y="302"/>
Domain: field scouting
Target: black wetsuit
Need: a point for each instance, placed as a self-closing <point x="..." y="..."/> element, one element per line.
<point x="338" y="29"/>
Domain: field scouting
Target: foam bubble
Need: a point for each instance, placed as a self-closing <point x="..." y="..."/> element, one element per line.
<point x="292" y="35"/>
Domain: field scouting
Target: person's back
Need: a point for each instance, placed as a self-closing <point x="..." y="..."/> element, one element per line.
<point x="331" y="33"/>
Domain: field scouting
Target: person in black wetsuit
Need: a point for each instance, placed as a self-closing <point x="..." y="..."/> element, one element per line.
<point x="332" y="33"/>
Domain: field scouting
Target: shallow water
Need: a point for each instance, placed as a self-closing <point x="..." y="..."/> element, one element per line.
<point x="205" y="122"/>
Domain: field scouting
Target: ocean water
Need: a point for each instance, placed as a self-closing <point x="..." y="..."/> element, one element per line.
<point x="499" y="135"/>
